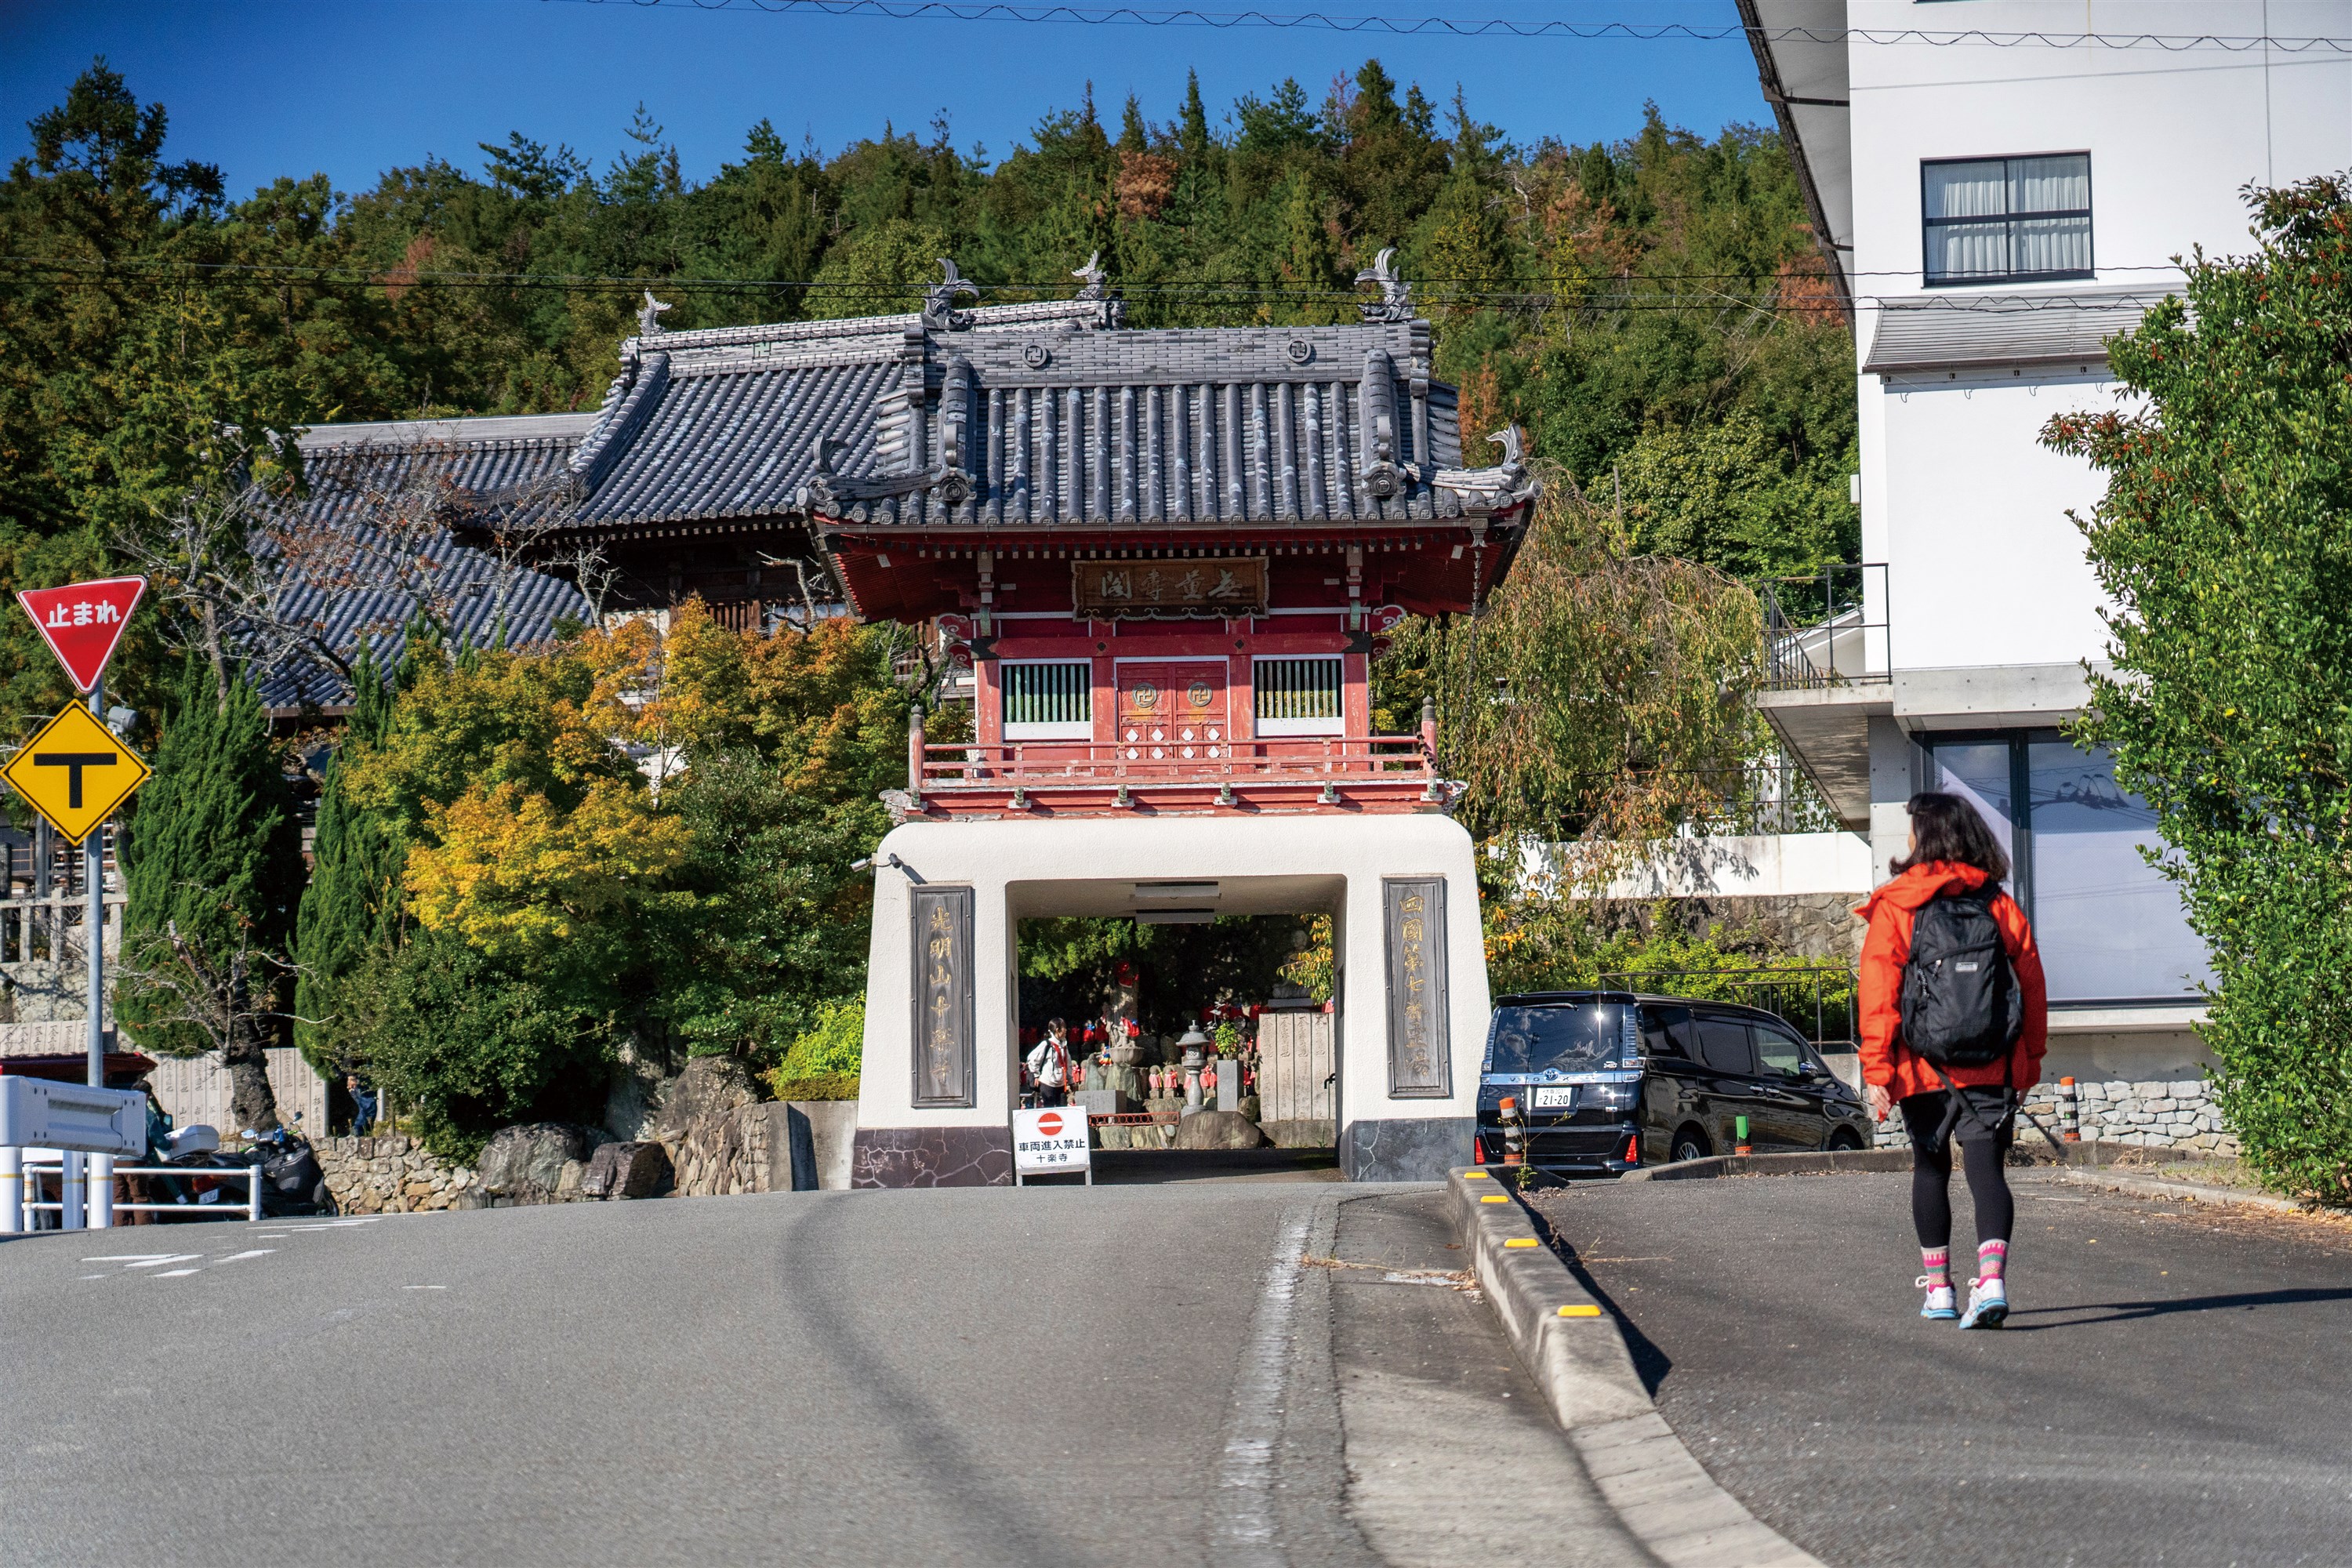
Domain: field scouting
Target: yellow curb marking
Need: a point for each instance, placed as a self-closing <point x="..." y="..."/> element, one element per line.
<point x="1520" y="1241"/>
<point x="1579" y="1311"/>
<point x="1475" y="1176"/>
<point x="1496" y="1198"/>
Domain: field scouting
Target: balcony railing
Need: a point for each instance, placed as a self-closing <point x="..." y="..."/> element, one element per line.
<point x="1044" y="764"/>
<point x="1827" y="628"/>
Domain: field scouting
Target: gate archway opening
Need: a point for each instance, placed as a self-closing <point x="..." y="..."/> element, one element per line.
<point x="1133" y="968"/>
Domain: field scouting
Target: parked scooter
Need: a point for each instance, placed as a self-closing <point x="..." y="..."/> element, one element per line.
<point x="291" y="1182"/>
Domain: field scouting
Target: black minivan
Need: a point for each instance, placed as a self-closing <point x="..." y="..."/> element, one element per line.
<point x="1606" y="1081"/>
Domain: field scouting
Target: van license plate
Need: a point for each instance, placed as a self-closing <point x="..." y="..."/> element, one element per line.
<point x="1560" y="1099"/>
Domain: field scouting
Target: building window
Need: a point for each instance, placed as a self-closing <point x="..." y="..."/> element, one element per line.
<point x="2110" y="928"/>
<point x="1299" y="696"/>
<point x="2007" y="220"/>
<point x="1048" y="699"/>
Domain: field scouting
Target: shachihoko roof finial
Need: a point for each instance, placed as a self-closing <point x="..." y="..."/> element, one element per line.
<point x="1092" y="275"/>
<point x="939" y="298"/>
<point x="1396" y="294"/>
<point x="649" y="318"/>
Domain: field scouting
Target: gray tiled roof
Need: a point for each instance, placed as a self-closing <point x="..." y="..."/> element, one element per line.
<point x="353" y="583"/>
<point x="1043" y="413"/>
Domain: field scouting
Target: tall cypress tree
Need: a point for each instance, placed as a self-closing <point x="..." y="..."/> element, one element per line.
<point x="214" y="861"/>
<point x="353" y="904"/>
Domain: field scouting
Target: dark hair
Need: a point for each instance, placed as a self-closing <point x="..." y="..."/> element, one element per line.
<point x="1947" y="828"/>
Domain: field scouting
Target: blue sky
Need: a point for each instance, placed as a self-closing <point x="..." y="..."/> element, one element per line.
<point x="354" y="87"/>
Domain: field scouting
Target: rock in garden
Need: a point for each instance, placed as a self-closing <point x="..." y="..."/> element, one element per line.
<point x="525" y="1164"/>
<point x="709" y="1087"/>
<point x="1218" y="1130"/>
<point x="626" y="1171"/>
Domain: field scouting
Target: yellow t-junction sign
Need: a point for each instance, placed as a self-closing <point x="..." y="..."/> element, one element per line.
<point x="75" y="773"/>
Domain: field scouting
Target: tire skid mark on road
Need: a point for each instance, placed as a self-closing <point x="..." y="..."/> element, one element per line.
<point x="1244" y="1531"/>
<point x="821" y="1288"/>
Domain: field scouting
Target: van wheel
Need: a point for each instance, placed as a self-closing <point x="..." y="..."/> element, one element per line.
<point x="1690" y="1143"/>
<point x="1845" y="1139"/>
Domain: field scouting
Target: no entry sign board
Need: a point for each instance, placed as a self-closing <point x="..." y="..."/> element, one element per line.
<point x="81" y="622"/>
<point x="1052" y="1139"/>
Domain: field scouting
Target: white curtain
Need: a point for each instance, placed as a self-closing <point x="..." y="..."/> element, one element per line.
<point x="1964" y="250"/>
<point x="2002" y="190"/>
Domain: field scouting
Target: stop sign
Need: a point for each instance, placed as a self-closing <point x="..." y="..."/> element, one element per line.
<point x="1050" y="1124"/>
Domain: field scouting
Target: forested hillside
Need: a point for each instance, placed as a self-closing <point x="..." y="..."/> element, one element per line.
<point x="1651" y="309"/>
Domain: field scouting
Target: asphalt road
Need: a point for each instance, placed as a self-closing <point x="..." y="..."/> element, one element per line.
<point x="1252" y="1372"/>
<point x="2174" y="1386"/>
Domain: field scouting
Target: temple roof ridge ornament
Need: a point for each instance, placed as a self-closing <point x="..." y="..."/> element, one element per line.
<point x="1396" y="294"/>
<point x="649" y="318"/>
<point x="940" y="313"/>
<point x="1110" y="313"/>
<point x="1505" y="485"/>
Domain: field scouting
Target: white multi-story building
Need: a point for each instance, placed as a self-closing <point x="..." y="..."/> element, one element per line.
<point x="2003" y="185"/>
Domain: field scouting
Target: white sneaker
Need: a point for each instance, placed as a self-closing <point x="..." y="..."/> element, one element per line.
<point x="1988" y="1304"/>
<point x="1942" y="1299"/>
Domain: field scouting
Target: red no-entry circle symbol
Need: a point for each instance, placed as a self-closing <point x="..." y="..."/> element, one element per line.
<point x="1049" y="1125"/>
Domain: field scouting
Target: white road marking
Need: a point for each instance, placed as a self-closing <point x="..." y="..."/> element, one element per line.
<point x="174" y="1257"/>
<point x="98" y="1277"/>
<point x="1247" y="1473"/>
<point x="252" y="1252"/>
<point x="129" y="1257"/>
<point x="329" y="1225"/>
<point x="176" y="1273"/>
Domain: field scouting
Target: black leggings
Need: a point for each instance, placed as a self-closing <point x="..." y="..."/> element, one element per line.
<point x="1981" y="1157"/>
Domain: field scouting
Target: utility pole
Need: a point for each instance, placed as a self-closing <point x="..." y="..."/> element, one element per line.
<point x="100" y="1199"/>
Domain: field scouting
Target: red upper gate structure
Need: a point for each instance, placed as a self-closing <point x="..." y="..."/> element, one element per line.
<point x="1169" y="556"/>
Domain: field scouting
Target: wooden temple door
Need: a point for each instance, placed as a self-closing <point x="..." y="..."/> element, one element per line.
<point x="1173" y="711"/>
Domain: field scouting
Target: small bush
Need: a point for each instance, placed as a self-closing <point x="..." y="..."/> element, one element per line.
<point x="820" y="1086"/>
<point x="823" y="1063"/>
<point x="464" y="1047"/>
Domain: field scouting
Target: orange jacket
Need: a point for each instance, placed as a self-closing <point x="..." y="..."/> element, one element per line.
<point x="1885" y="1059"/>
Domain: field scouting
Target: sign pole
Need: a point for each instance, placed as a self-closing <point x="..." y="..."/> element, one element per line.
<point x="93" y="864"/>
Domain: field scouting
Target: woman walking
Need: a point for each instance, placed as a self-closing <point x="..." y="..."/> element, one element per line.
<point x="1954" y="1023"/>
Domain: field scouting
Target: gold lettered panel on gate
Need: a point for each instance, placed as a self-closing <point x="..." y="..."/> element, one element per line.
<point x="1228" y="587"/>
<point x="944" y="1000"/>
<point x="75" y="773"/>
<point x="1420" y="1051"/>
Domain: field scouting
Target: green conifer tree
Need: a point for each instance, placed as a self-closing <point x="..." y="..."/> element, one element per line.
<point x="352" y="906"/>
<point x="214" y="861"/>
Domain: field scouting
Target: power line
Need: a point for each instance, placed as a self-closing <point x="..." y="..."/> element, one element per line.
<point x="1601" y="297"/>
<point x="1469" y="27"/>
<point x="405" y="278"/>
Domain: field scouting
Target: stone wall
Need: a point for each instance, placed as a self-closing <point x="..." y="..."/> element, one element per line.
<point x="2152" y="1113"/>
<point x="391" y="1175"/>
<point x="1819" y="926"/>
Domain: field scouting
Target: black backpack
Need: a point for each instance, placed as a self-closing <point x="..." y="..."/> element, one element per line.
<point x="1962" y="1004"/>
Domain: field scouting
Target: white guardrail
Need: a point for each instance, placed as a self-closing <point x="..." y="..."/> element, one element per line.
<point x="77" y="1210"/>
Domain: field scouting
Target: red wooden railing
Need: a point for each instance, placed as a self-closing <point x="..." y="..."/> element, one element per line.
<point x="1035" y="764"/>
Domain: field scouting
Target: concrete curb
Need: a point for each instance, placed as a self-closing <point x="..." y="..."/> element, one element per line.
<point x="2191" y="1192"/>
<point x="1572" y="1347"/>
<point x="1804" y="1164"/>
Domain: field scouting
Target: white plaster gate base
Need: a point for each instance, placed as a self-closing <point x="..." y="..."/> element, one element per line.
<point x="935" y="1106"/>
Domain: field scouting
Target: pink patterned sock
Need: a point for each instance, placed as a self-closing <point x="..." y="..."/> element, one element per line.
<point x="1936" y="1262"/>
<point x="1992" y="1256"/>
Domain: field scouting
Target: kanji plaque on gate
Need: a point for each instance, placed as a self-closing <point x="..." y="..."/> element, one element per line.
<point x="943" y="1001"/>
<point x="1209" y="589"/>
<point x="1419" y="1057"/>
<point x="75" y="773"/>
